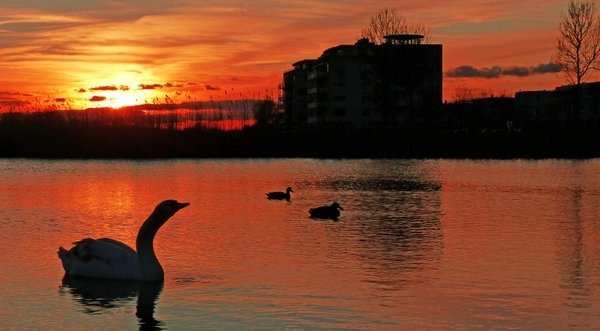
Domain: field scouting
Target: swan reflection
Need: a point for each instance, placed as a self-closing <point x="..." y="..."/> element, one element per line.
<point x="96" y="296"/>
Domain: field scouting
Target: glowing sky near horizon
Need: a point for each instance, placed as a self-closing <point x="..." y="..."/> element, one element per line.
<point x="117" y="52"/>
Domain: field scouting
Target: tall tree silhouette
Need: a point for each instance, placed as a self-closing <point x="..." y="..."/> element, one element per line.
<point x="578" y="45"/>
<point x="389" y="21"/>
<point x="265" y="113"/>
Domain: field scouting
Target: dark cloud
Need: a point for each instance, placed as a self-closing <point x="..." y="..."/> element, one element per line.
<point x="469" y="71"/>
<point x="97" y="98"/>
<point x="61" y="100"/>
<point x="104" y="88"/>
<point x="191" y="83"/>
<point x="173" y="85"/>
<point x="497" y="71"/>
<point x="81" y="90"/>
<point x="107" y="88"/>
<point x="516" y="71"/>
<point x="211" y="87"/>
<point x="545" y="68"/>
<point x="150" y="86"/>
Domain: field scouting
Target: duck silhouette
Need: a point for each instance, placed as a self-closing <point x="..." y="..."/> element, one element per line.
<point x="326" y="212"/>
<point x="280" y="195"/>
<point x="107" y="258"/>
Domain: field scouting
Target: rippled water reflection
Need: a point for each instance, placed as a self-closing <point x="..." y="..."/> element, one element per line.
<point x="420" y="244"/>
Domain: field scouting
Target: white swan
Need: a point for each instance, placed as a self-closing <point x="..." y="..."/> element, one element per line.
<point x="111" y="259"/>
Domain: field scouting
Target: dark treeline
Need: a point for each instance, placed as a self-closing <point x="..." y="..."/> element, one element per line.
<point x="51" y="137"/>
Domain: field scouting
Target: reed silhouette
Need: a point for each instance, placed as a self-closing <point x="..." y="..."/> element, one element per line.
<point x="224" y="127"/>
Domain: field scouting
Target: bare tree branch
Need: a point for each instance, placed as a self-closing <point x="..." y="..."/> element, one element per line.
<point x="578" y="46"/>
<point x="390" y="21"/>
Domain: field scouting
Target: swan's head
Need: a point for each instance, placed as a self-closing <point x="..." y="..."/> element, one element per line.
<point x="288" y="190"/>
<point x="168" y="208"/>
<point x="336" y="206"/>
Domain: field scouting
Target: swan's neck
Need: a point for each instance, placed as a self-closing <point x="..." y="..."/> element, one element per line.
<point x="149" y="265"/>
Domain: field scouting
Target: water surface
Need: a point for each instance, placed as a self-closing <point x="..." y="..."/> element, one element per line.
<point x="421" y="244"/>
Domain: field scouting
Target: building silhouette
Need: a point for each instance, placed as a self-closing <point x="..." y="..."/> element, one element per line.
<point x="393" y="84"/>
<point x="562" y="106"/>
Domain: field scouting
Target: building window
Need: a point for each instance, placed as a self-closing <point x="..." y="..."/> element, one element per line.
<point x="339" y="112"/>
<point x="338" y="82"/>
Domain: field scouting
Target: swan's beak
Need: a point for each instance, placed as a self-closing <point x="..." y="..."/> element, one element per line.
<point x="340" y="207"/>
<point x="181" y="205"/>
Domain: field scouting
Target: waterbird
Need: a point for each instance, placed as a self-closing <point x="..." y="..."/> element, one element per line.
<point x="107" y="258"/>
<point x="326" y="212"/>
<point x="280" y="195"/>
<point x="103" y="295"/>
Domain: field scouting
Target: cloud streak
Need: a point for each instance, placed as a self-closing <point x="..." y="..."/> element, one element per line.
<point x="149" y="86"/>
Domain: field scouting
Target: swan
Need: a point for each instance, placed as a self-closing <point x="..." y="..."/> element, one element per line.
<point x="107" y="258"/>
<point x="332" y="211"/>
<point x="280" y="195"/>
<point x="104" y="295"/>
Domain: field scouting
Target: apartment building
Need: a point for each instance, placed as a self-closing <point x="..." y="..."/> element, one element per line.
<point x="364" y="84"/>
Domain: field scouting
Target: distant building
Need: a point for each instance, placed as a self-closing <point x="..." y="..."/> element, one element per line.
<point x="535" y="106"/>
<point x="366" y="84"/>
<point x="481" y="114"/>
<point x="560" y="106"/>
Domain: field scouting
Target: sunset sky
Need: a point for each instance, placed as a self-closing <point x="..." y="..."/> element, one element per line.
<point x="117" y="52"/>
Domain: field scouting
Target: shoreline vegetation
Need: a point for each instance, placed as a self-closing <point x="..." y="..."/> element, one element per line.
<point x="52" y="135"/>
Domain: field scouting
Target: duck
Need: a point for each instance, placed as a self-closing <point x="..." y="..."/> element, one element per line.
<point x="107" y="258"/>
<point x="280" y="195"/>
<point x="326" y="212"/>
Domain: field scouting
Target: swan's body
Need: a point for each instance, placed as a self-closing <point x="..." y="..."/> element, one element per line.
<point x="111" y="259"/>
<point x="280" y="195"/>
<point x="326" y="212"/>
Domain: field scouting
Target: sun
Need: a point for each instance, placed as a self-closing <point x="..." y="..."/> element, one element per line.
<point x="119" y="99"/>
<point x="119" y="89"/>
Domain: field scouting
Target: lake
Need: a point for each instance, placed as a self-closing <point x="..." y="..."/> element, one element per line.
<point x="420" y="244"/>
